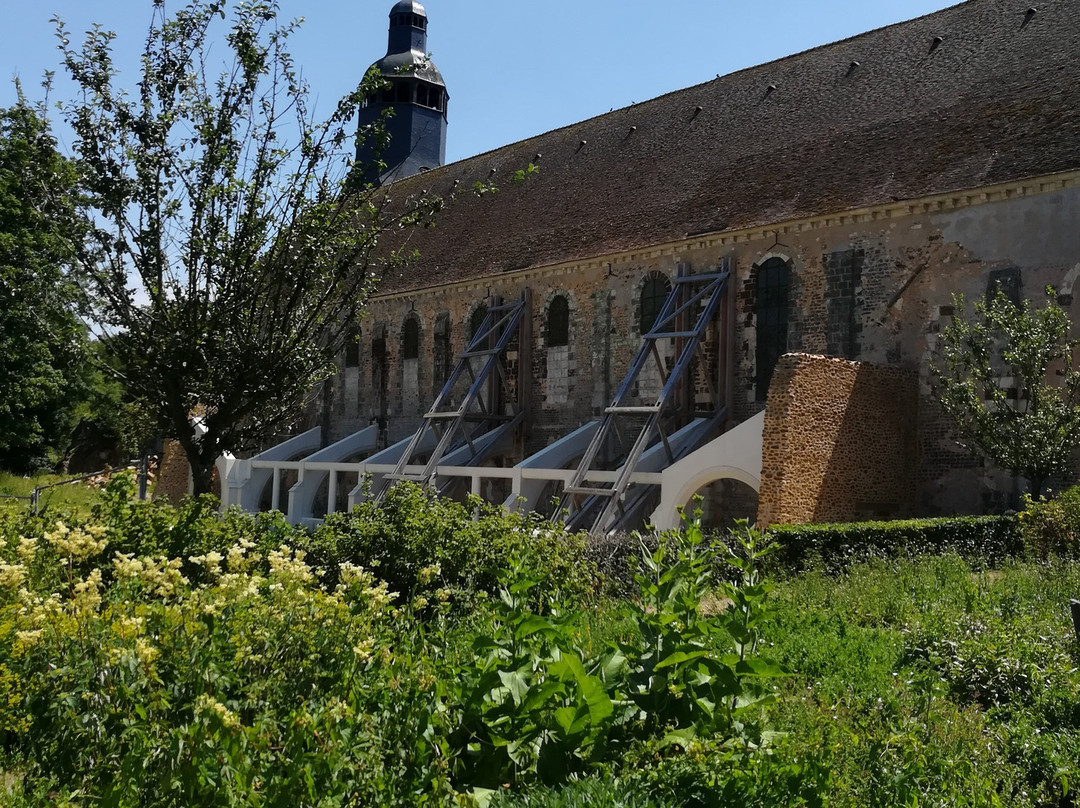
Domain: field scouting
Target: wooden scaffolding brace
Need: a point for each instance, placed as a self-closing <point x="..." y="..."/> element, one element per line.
<point x="689" y="309"/>
<point x="475" y="407"/>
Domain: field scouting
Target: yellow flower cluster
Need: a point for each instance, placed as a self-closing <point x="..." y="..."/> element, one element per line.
<point x="428" y="574"/>
<point x="208" y="705"/>
<point x="86" y="595"/>
<point x="356" y="578"/>
<point x="240" y="559"/>
<point x="34" y="614"/>
<point x="365" y="650"/>
<point x="211" y="561"/>
<point x="145" y="651"/>
<point x="128" y="628"/>
<point x="160" y="575"/>
<point x="27" y="550"/>
<point x="288" y="567"/>
<point x="36" y="610"/>
<point x="29" y="637"/>
<point x="12" y="575"/>
<point x="78" y="544"/>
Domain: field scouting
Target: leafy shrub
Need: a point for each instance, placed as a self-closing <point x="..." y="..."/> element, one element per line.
<point x="837" y="546"/>
<point x="1052" y="527"/>
<point x="469" y="544"/>
<point x="154" y="527"/>
<point x="535" y="704"/>
<point x="248" y="688"/>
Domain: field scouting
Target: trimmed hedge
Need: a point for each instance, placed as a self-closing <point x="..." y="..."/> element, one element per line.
<point x="987" y="539"/>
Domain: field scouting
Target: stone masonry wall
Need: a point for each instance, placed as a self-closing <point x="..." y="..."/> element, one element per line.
<point x="875" y="286"/>
<point x="174" y="474"/>
<point x="839" y="442"/>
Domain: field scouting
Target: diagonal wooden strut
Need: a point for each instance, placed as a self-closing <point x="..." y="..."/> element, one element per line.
<point x="474" y="408"/>
<point x="684" y="318"/>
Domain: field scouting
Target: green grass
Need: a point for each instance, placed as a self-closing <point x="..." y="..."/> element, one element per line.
<point x="77" y="497"/>
<point x="927" y="683"/>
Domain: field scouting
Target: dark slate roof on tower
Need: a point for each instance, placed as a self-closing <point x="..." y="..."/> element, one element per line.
<point x="980" y="93"/>
<point x="408" y="7"/>
<point x="405" y="64"/>
<point x="406" y="53"/>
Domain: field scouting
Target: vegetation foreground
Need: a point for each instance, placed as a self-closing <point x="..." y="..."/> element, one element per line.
<point x="416" y="655"/>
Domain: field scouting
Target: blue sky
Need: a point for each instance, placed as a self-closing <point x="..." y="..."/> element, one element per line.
<point x="513" y="69"/>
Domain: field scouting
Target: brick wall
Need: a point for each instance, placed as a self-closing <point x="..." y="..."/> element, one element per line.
<point x="839" y="442"/>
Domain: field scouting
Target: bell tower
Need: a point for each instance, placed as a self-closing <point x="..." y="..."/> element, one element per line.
<point x="415" y="94"/>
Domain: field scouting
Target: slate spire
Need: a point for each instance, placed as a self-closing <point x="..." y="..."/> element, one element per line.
<point x="416" y="93"/>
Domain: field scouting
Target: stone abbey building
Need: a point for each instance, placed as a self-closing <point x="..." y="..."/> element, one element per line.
<point x="750" y="271"/>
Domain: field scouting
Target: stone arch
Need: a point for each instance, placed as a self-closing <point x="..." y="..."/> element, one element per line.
<point x="725" y="499"/>
<point x="557" y="320"/>
<point x="735" y="455"/>
<point x="412" y="327"/>
<point x="666" y="515"/>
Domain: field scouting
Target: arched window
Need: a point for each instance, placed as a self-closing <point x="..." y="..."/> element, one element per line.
<point x="653" y="294"/>
<point x="558" y="322"/>
<point x="477" y="320"/>
<point x="352" y="348"/>
<point x="410" y="339"/>
<point x="773" y="284"/>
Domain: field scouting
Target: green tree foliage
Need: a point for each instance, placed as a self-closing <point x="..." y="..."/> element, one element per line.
<point x="41" y="339"/>
<point x="231" y="260"/>
<point x="1006" y="378"/>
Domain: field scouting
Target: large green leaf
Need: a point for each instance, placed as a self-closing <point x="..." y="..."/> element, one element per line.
<point x="679" y="657"/>
<point x="516" y="684"/>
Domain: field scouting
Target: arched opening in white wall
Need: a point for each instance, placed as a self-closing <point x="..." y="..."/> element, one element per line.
<point x="346" y="482"/>
<point x="723" y="501"/>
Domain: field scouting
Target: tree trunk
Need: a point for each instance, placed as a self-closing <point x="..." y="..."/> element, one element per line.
<point x="201" y="458"/>
<point x="202" y="476"/>
<point x="1037" y="484"/>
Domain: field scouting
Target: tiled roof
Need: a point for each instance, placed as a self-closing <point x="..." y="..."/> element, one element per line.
<point x="892" y="114"/>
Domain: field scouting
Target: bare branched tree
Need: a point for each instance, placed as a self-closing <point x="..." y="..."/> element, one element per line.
<point x="232" y="249"/>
